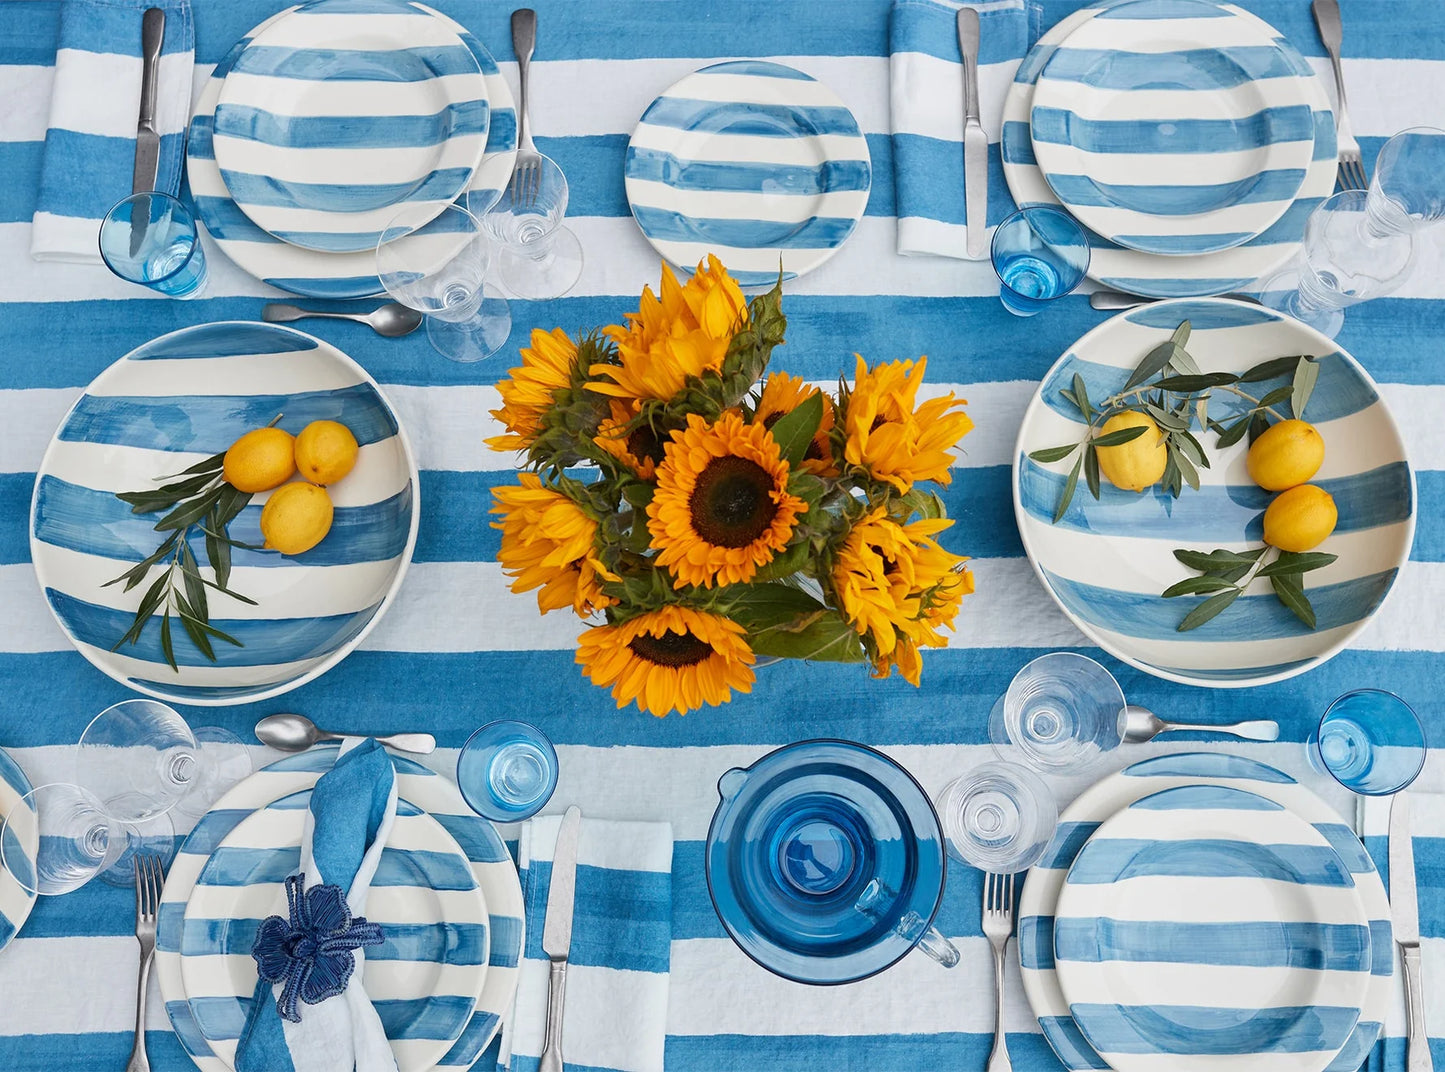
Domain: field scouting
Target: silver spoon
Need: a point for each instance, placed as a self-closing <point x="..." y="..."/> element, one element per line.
<point x="1139" y="724"/>
<point x="392" y="320"/>
<point x="296" y="733"/>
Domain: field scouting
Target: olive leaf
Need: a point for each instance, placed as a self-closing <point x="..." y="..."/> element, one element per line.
<point x="1268" y="370"/>
<point x="1069" y="486"/>
<point x="1221" y="558"/>
<point x="1290" y="590"/>
<point x="1305" y="375"/>
<point x="1091" y="469"/>
<point x="1053" y="454"/>
<point x="1081" y="398"/>
<point x="1117" y="437"/>
<point x="1154" y="361"/>
<point x="1195" y="586"/>
<point x="1208" y="609"/>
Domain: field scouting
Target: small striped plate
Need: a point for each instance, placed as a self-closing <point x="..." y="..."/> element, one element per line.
<point x="342" y="111"/>
<point x="753" y="161"/>
<point x="312" y="272"/>
<point x="16" y="900"/>
<point x="1107" y="560"/>
<point x="491" y="864"/>
<point x="1207" y="923"/>
<point x="1179" y="135"/>
<point x="424" y="978"/>
<point x="1105" y="799"/>
<point x="169" y="404"/>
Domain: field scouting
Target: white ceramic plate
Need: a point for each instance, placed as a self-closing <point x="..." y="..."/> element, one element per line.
<point x="15" y="900"/>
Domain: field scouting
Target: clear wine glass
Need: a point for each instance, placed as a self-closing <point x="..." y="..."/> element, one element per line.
<point x="139" y="758"/>
<point x="223" y="761"/>
<point x="58" y="837"/>
<point x="1346" y="259"/>
<point x="439" y="268"/>
<point x="1061" y="713"/>
<point x="1407" y="193"/>
<point x="999" y="817"/>
<point x="540" y="258"/>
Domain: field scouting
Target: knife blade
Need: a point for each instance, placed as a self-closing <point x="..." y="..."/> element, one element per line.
<point x="557" y="932"/>
<point x="1405" y="921"/>
<point x="975" y="141"/>
<point x="147" y="139"/>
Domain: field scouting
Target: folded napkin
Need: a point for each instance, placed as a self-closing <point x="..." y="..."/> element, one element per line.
<point x="926" y="90"/>
<point x="615" y="1012"/>
<point x="350" y="815"/>
<point x="1427" y="829"/>
<point x="89" y="152"/>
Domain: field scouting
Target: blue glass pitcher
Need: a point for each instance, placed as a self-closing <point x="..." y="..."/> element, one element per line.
<point x="825" y="863"/>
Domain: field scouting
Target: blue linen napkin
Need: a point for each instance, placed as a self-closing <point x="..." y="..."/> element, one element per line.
<point x="615" y="1013"/>
<point x="926" y="92"/>
<point x="349" y="817"/>
<point x="89" y="151"/>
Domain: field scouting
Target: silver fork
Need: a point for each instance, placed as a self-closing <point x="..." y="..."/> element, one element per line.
<point x="1352" y="168"/>
<point x="998" y="922"/>
<point x="148" y="881"/>
<point x="527" y="171"/>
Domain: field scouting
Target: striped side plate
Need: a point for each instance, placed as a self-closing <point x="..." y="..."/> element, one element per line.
<point x="16" y="900"/>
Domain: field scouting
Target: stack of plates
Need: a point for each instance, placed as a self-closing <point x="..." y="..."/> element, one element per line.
<point x="326" y="120"/>
<point x="1205" y="911"/>
<point x="1188" y="136"/>
<point x="446" y="895"/>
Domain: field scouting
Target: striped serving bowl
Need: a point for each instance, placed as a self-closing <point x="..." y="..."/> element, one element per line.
<point x="1106" y="561"/>
<point x="169" y="404"/>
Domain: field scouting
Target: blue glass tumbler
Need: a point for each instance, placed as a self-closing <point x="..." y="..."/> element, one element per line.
<point x="1371" y="741"/>
<point x="507" y="771"/>
<point x="151" y="239"/>
<point x="1040" y="253"/>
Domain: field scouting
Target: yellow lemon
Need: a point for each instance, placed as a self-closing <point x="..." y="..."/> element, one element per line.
<point x="1138" y="463"/>
<point x="325" y="452"/>
<point x="260" y="460"/>
<point x="1285" y="455"/>
<point x="296" y="518"/>
<point x="1300" y="518"/>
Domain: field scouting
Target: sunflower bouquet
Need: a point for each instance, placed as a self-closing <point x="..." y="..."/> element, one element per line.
<point x="701" y="513"/>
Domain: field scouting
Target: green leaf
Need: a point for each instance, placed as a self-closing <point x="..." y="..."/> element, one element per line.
<point x="137" y="573"/>
<point x="1290" y="591"/>
<point x="1275" y="397"/>
<point x="230" y="504"/>
<point x="1173" y="480"/>
<point x="189" y="513"/>
<point x="1081" y="399"/>
<point x="1122" y="435"/>
<point x="218" y="552"/>
<point x="1091" y="470"/>
<point x="1183" y="362"/>
<point x="786" y="564"/>
<point x="191" y="576"/>
<point x="1193" y="586"/>
<point x="1053" y="454"/>
<point x="1190" y="384"/>
<point x="1305" y="375"/>
<point x="1154" y="361"/>
<point x="1069" y="486"/>
<point x="1181" y="334"/>
<point x="1258" y="424"/>
<point x="1165" y="418"/>
<point x="166" y="647"/>
<point x="1296" y="562"/>
<point x="226" y="591"/>
<point x="1186" y="469"/>
<point x="197" y="634"/>
<point x="1268" y="370"/>
<point x="1207" y="610"/>
<point x="1214" y="561"/>
<point x="1201" y="410"/>
<point x="795" y="430"/>
<point x="1233" y="434"/>
<point x="825" y="637"/>
<point x="1190" y="447"/>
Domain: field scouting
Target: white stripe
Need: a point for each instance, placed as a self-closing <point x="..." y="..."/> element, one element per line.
<point x="283" y="96"/>
<point x="733" y="148"/>
<point x="26" y="93"/>
<point x="289" y="163"/>
<point x="779" y="210"/>
<point x="281" y="373"/>
<point x="99" y="92"/>
<point x="1251" y="898"/>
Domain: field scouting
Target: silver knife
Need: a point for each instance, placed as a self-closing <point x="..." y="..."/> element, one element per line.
<point x="557" y="933"/>
<point x="1405" y="919"/>
<point x="147" y="140"/>
<point x="975" y="141"/>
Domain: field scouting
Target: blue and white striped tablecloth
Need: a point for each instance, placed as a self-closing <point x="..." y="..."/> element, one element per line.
<point x="458" y="649"/>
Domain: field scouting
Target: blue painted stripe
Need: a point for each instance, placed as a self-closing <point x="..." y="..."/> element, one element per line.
<point x="1207" y="765"/>
<point x="1279" y="184"/>
<point x="761" y="68"/>
<point x="1036" y="943"/>
<point x="655" y="165"/>
<point x="1304" y="946"/>
<point x="1202" y="315"/>
<point x="1184" y="1029"/>
<point x="12" y="775"/>
<point x="464" y="1050"/>
<point x="1139" y="10"/>
<point x="251" y="189"/>
<point x="438" y="943"/>
<point x="773" y="121"/>
<point x="815" y="232"/>
<point x="458" y="120"/>
<point x="1195" y="797"/>
<point x="477" y="838"/>
<point x="232" y="338"/>
<point x="623" y="920"/>
<point x="1197" y="136"/>
<point x="1239" y="673"/>
<point x="1069" y="1043"/>
<point x="231" y="866"/>
<point x="400" y="65"/>
<point x="187" y="1030"/>
<point x="439" y="1017"/>
<point x="1068" y="839"/>
<point x="1198" y="69"/>
<point x="1110" y="860"/>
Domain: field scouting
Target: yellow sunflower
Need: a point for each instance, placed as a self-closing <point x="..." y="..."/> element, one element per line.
<point x="898" y="587"/>
<point x="892" y="436"/>
<point x="783" y="394"/>
<point x="722" y="507"/>
<point x="640" y="449"/>
<point x="546" y="367"/>
<point x="685" y="333"/>
<point x="670" y="659"/>
<point x="548" y="542"/>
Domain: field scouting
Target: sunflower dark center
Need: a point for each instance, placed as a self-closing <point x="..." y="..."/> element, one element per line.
<point x="671" y="649"/>
<point x="730" y="504"/>
<point x="642" y="442"/>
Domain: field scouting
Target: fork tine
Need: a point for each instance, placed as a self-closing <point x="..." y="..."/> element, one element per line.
<point x="1364" y="177"/>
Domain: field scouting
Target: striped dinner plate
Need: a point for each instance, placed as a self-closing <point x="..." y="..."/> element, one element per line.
<point x="1151" y="274"/>
<point x="312" y="272"/>
<point x="423" y="979"/>
<point x="339" y="113"/>
<point x="1179" y="135"/>
<point x="1205" y="923"/>
<point x="753" y="161"/>
<point x="17" y="873"/>
<point x="174" y="402"/>
<point x="1077" y="824"/>
<point x="1106" y="561"/>
<point x="485" y="852"/>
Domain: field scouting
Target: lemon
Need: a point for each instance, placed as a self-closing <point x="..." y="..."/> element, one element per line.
<point x="260" y="460"/>
<point x="1138" y="463"/>
<point x="325" y="452"/>
<point x="1300" y="518"/>
<point x="296" y="518"/>
<point x="1285" y="455"/>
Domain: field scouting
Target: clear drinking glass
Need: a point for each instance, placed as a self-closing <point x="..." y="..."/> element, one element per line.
<point x="1061" y="713"/>
<point x="1039" y="253"/>
<point x="58" y="837"/>
<point x="540" y="257"/>
<point x="222" y="761"/>
<point x="507" y="771"/>
<point x="151" y="239"/>
<point x="1345" y="260"/>
<point x="439" y="268"/>
<point x="998" y="817"/>
<point x="1371" y="741"/>
<point x="139" y="758"/>
<point x="1407" y="193"/>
